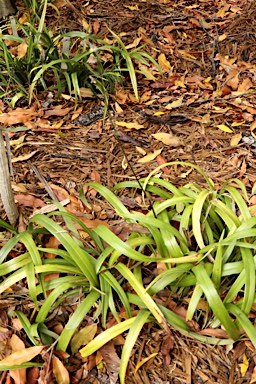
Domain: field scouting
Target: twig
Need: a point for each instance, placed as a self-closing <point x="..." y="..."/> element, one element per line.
<point x="43" y="181"/>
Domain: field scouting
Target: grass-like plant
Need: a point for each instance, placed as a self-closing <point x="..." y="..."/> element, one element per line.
<point x="209" y="254"/>
<point x="64" y="62"/>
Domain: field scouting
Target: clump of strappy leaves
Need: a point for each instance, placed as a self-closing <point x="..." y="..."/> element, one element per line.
<point x="203" y="238"/>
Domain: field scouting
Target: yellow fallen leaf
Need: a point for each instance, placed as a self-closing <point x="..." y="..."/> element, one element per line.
<point x="18" y="141"/>
<point x="163" y="62"/>
<point x="59" y="124"/>
<point x="237" y="124"/>
<point x="235" y="140"/>
<point x="180" y="83"/>
<point x="146" y="72"/>
<point x="159" y="113"/>
<point x="132" y="8"/>
<point x="174" y="104"/>
<point x="145" y="360"/>
<point x="60" y="372"/>
<point x="142" y="151"/>
<point x="131" y="125"/>
<point x="134" y="44"/>
<point x="244" y="366"/>
<point x="118" y="108"/>
<point x="133" y="98"/>
<point x="22" y="356"/>
<point x="150" y="156"/>
<point x="224" y="128"/>
<point x="166" y="138"/>
<point x="124" y="163"/>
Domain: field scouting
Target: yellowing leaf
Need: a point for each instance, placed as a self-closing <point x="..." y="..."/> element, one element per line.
<point x="22" y="356"/>
<point x="166" y="138"/>
<point x="235" y="140"/>
<point x="145" y="360"/>
<point x="146" y="72"/>
<point x="142" y="151"/>
<point x="133" y="98"/>
<point x="134" y="44"/>
<point x="236" y="124"/>
<point x="124" y="163"/>
<point x="224" y="128"/>
<point x="180" y="83"/>
<point x="150" y="156"/>
<point x="22" y="49"/>
<point x="244" y="366"/>
<point x="129" y="125"/>
<point x="118" y="108"/>
<point x="159" y="113"/>
<point x="132" y="8"/>
<point x="60" y="372"/>
<point x="59" y="124"/>
<point x="174" y="104"/>
<point x="163" y="62"/>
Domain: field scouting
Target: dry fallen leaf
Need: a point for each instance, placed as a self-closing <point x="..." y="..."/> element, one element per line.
<point x="60" y="372"/>
<point x="174" y="104"/>
<point x="22" y="49"/>
<point x="235" y="139"/>
<point x="224" y="128"/>
<point x="23" y="356"/>
<point x="163" y="62"/>
<point x="23" y="157"/>
<point x="131" y="125"/>
<point x="150" y="156"/>
<point x="166" y="138"/>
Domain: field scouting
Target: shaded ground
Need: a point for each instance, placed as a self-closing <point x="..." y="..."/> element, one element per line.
<point x="213" y="91"/>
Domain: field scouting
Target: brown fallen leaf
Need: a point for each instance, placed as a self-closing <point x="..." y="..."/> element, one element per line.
<point x="29" y="201"/>
<point x="57" y="111"/>
<point x="17" y="116"/>
<point x="112" y="360"/>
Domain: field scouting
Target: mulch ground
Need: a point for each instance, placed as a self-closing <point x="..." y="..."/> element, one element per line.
<point x="200" y="40"/>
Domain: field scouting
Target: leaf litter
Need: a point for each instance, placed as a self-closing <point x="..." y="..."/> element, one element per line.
<point x="202" y="110"/>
